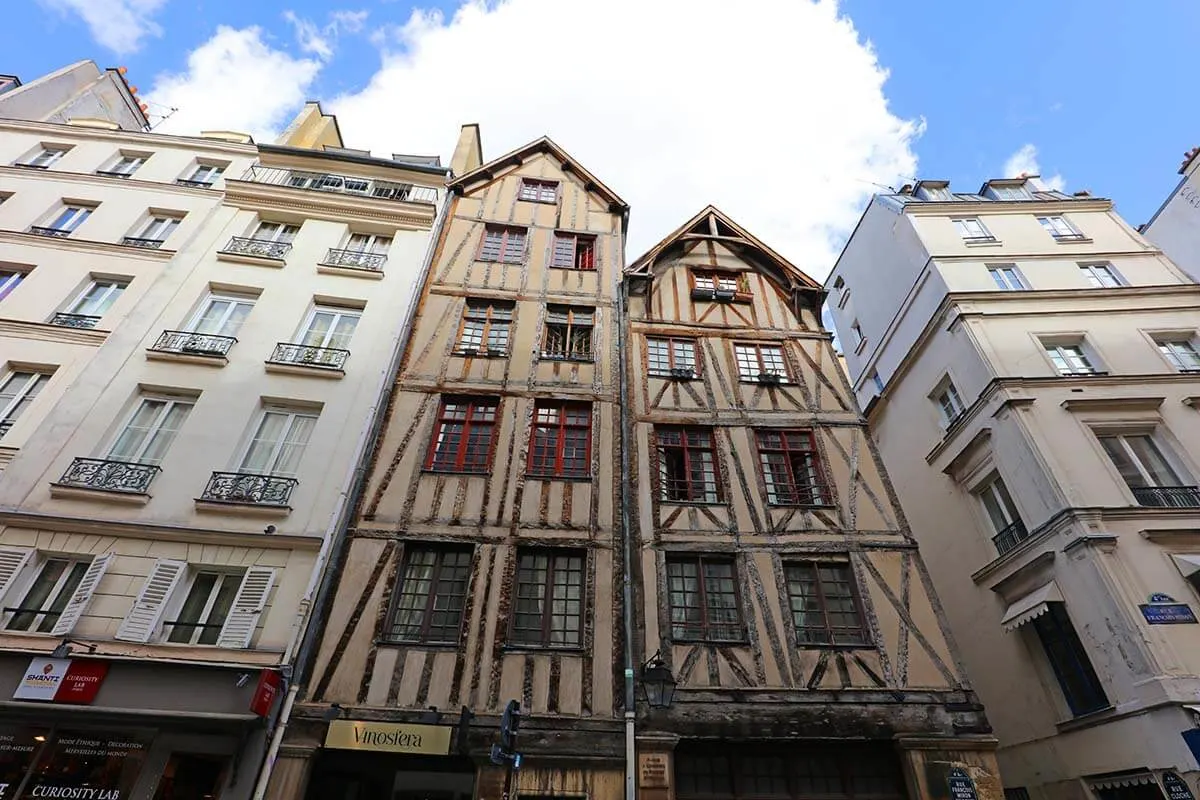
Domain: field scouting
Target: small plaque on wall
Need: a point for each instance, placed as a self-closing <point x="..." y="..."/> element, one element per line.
<point x="1175" y="787"/>
<point x="654" y="771"/>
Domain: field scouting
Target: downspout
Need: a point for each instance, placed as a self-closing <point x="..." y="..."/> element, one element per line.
<point x="627" y="539"/>
<point x="347" y="505"/>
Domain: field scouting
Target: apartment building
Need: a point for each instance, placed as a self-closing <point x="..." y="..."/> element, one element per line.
<point x="79" y="92"/>
<point x="1175" y="226"/>
<point x="1028" y="365"/>
<point x="208" y="324"/>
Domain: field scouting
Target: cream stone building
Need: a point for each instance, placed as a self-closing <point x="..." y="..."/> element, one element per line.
<point x="1028" y="365"/>
<point x="1175" y="226"/>
<point x="195" y="334"/>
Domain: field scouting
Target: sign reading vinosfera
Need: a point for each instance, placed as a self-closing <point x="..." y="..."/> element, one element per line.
<point x="388" y="737"/>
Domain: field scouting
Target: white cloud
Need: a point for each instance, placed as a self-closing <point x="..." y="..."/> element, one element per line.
<point x="1025" y="162"/>
<point x="776" y="114"/>
<point x="234" y="81"/>
<point x="320" y="41"/>
<point x="119" y="25"/>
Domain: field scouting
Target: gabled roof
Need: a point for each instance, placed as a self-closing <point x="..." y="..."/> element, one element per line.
<point x="713" y="225"/>
<point x="543" y="145"/>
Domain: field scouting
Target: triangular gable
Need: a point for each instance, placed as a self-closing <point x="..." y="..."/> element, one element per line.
<point x="711" y="224"/>
<point x="543" y="145"/>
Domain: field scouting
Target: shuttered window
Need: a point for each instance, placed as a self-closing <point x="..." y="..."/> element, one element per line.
<point x="248" y="604"/>
<point x="503" y="243"/>
<point x="142" y="622"/>
<point x="574" y="251"/>
<point x="58" y="595"/>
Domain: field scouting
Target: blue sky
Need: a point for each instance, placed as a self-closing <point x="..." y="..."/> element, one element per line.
<point x="1096" y="87"/>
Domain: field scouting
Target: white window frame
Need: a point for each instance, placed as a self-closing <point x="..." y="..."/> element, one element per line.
<point x="376" y="243"/>
<point x="135" y="159"/>
<point x="33" y="573"/>
<point x="285" y="232"/>
<point x="1097" y="273"/>
<point x="10" y="279"/>
<point x="151" y="229"/>
<point x="857" y="335"/>
<point x="206" y="173"/>
<point x="118" y="285"/>
<point x="1169" y="346"/>
<point x="179" y="599"/>
<point x="46" y="155"/>
<point x="1069" y="351"/>
<point x="234" y="301"/>
<point x="1167" y="454"/>
<point x="154" y="430"/>
<point x="1059" y="227"/>
<point x="1020" y="190"/>
<point x="964" y="227"/>
<point x="7" y="410"/>
<point x="948" y="401"/>
<point x="1008" y="510"/>
<point x="292" y="415"/>
<point x="338" y="312"/>
<point x="936" y="194"/>
<point x="74" y="216"/>
<point x="1007" y="277"/>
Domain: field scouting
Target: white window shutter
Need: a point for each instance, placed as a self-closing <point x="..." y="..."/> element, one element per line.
<point x="12" y="561"/>
<point x="142" y="620"/>
<point x="82" y="596"/>
<point x="251" y="599"/>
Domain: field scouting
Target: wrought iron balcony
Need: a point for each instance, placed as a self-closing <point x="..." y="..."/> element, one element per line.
<point x="263" y="248"/>
<point x="109" y="476"/>
<point x="193" y="344"/>
<point x="1167" y="496"/>
<point x="304" y="355"/>
<point x="108" y="173"/>
<point x="197" y="184"/>
<point x="75" y="320"/>
<point x="1010" y="537"/>
<point x="27" y="165"/>
<point x="1069" y="237"/>
<point x="40" y="230"/>
<point x="341" y="184"/>
<point x="149" y="244"/>
<point x="355" y="259"/>
<point x="246" y="488"/>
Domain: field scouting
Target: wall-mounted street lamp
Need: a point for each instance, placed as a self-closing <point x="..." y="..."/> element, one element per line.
<point x="658" y="684"/>
<point x="64" y="648"/>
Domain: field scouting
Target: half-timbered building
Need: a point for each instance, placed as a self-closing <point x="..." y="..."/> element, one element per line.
<point x="775" y="574"/>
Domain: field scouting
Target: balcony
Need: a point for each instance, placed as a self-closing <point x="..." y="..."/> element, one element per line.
<point x="243" y="488"/>
<point x="85" y="321"/>
<point x="149" y="244"/>
<point x="1010" y="537"/>
<point x="258" y="248"/>
<point x="123" y="477"/>
<point x="195" y="184"/>
<point x="60" y="233"/>
<point x="188" y="343"/>
<point x="1167" y="496"/>
<point x="108" y="173"/>
<point x="303" y="355"/>
<point x="342" y="184"/>
<point x="355" y="259"/>
<point x="1070" y="237"/>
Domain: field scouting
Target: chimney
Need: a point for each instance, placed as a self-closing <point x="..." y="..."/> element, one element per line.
<point x="468" y="153"/>
<point x="1082" y="193"/>
<point x="1187" y="159"/>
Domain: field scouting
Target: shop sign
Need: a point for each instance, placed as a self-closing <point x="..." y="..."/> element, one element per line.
<point x="82" y="682"/>
<point x="42" y="679"/>
<point x="62" y="680"/>
<point x="349" y="734"/>
<point x="961" y="785"/>
<point x="1175" y="787"/>
<point x="265" y="692"/>
<point x="1164" y="610"/>
<point x="87" y="765"/>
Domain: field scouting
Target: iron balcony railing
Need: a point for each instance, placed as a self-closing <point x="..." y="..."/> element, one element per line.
<point x="40" y="230"/>
<point x="308" y="356"/>
<point x="798" y="494"/>
<point x="109" y="476"/>
<point x="193" y="344"/>
<point x="149" y="244"/>
<point x="985" y="238"/>
<point x="247" y="488"/>
<point x="341" y="184"/>
<point x="108" y="173"/>
<point x="75" y="320"/>
<point x="1069" y="237"/>
<point x="355" y="259"/>
<point x="263" y="248"/>
<point x="1010" y="537"/>
<point x="197" y="184"/>
<point x="1167" y="496"/>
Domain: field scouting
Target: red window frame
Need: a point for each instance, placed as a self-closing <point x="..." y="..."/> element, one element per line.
<point x="535" y="190"/>
<point x="555" y="425"/>
<point x="503" y="243"/>
<point x="477" y="415"/>
<point x="825" y="604"/>
<point x="715" y="583"/>
<point x="574" y="251"/>
<point x="688" y="450"/>
<point x="791" y="467"/>
<point x="550" y="602"/>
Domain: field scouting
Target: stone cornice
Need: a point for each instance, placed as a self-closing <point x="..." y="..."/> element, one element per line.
<point x="84" y="246"/>
<point x="329" y="205"/>
<point x="104" y="180"/>
<point x="64" y="131"/>
<point x="44" y="332"/>
<point x="966" y="208"/>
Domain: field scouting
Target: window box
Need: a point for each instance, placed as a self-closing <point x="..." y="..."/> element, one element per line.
<point x="770" y="378"/>
<point x="704" y="294"/>
<point x="724" y="295"/>
<point x="682" y="374"/>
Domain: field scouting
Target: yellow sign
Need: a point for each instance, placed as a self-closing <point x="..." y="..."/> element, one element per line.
<point x="388" y="737"/>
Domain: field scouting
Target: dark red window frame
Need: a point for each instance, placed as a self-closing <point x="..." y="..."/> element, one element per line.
<point x="503" y="243"/>
<point x="715" y="584"/>
<point x="686" y="450"/>
<point x="825" y="603"/>
<point x="791" y="467"/>
<point x="536" y="190"/>
<point x="436" y="600"/>
<point x="464" y="428"/>
<point x="574" y="251"/>
<point x="557" y="424"/>
<point x="550" y="598"/>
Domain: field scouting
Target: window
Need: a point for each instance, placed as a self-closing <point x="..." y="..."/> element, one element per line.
<point x="549" y="609"/>
<point x="1018" y="192"/>
<point x="1002" y="513"/>
<point x="9" y="280"/>
<point x="502" y="243"/>
<point x="69" y="219"/>
<point x="369" y="243"/>
<point x="44" y="157"/>
<point x="1017" y="793"/>
<point x="158" y="228"/>
<point x="278" y="443"/>
<point x="278" y="232"/>
<point x="758" y="361"/>
<point x="221" y="315"/>
<point x="824" y="603"/>
<point x="935" y="193"/>
<point x="204" y="174"/>
<point x="1180" y="352"/>
<point x="205" y="609"/>
<point x="1059" y="228"/>
<point x="1101" y="276"/>
<point x="1141" y="463"/>
<point x="561" y="443"/>
<point x="1069" y="660"/>
<point x="687" y="468"/>
<point x="704" y="601"/>
<point x="949" y="404"/>
<point x="149" y="432"/>
<point x="1069" y="359"/>
<point x="328" y="327"/>
<point x="569" y="333"/>
<point x="430" y="594"/>
<point x="790" y="467"/>
<point x="843" y="298"/>
<point x="124" y="166"/>
<point x="538" y="191"/>
<point x="1007" y="278"/>
<point x="856" y="333"/>
<point x="17" y="393"/>
<point x="98" y="298"/>
<point x="486" y="325"/>
<point x="758" y="771"/>
<point x="972" y="230"/>
<point x="877" y="382"/>
<point x="463" y="434"/>
<point x="574" y="251"/>
<point x="711" y="281"/>
<point x="671" y="357"/>
<point x="48" y="596"/>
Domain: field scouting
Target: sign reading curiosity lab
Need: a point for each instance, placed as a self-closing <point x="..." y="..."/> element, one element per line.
<point x="387" y="737"/>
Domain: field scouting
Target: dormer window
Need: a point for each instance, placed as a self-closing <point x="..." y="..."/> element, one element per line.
<point x="934" y="193"/>
<point x="1010" y="192"/>
<point x="538" y="191"/>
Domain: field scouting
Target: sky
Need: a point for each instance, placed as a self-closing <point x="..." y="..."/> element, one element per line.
<point x="786" y="114"/>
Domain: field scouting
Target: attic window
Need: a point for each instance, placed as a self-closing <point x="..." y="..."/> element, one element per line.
<point x="538" y="191"/>
<point x="716" y="285"/>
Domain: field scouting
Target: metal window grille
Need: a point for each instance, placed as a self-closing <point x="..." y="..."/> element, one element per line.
<point x="791" y="468"/>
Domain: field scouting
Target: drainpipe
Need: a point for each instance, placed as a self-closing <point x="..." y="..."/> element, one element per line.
<point x="346" y="506"/>
<point x="627" y="539"/>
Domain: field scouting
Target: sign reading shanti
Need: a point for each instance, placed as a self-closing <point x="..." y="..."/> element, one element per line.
<point x="62" y="680"/>
<point x="388" y="737"/>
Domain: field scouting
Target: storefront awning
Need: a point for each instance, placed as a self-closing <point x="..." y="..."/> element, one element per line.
<point x="1128" y="779"/>
<point x="1031" y="606"/>
<point x="1189" y="565"/>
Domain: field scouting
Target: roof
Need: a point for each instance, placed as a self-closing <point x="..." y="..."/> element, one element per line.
<point x="714" y="225"/>
<point x="544" y="144"/>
